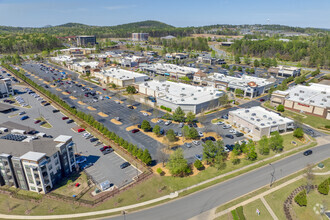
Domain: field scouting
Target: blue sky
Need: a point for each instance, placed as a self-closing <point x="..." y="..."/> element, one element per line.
<point x="180" y="13"/>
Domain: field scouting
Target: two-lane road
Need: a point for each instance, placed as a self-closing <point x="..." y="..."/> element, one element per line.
<point x="197" y="203"/>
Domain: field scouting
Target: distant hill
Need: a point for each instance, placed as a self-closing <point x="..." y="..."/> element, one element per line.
<point x="71" y="25"/>
<point x="144" y="24"/>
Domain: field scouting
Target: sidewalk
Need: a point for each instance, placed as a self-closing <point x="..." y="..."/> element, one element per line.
<point x="212" y="215"/>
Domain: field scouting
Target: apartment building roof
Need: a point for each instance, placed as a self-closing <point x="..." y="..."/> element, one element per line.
<point x="244" y="81"/>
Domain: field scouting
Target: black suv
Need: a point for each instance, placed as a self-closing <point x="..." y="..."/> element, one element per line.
<point x="308" y="152"/>
<point x="55" y="110"/>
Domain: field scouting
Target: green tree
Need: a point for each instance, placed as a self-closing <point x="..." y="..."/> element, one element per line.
<point x="256" y="63"/>
<point x="130" y="89"/>
<point x="185" y="131"/>
<point x="145" y="125"/>
<point x="177" y="164"/>
<point x="193" y="133"/>
<point x="276" y="142"/>
<point x="190" y="117"/>
<point x="234" y="68"/>
<point x="198" y="164"/>
<point x="239" y="92"/>
<point x="146" y="157"/>
<point x="156" y="130"/>
<point x="274" y="62"/>
<point x="251" y="153"/>
<point x="280" y="108"/>
<point x="219" y="162"/>
<point x="213" y="54"/>
<point x="247" y="60"/>
<point x="224" y="100"/>
<point x="298" y="133"/>
<point x="239" y="68"/>
<point x="264" y="145"/>
<point x="170" y="135"/>
<point x="237" y="59"/>
<point x="211" y="149"/>
<point x="178" y="115"/>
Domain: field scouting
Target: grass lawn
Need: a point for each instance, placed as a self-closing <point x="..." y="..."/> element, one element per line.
<point x="277" y="198"/>
<point x="250" y="211"/>
<point x="46" y="125"/>
<point x="67" y="186"/>
<point x="216" y="120"/>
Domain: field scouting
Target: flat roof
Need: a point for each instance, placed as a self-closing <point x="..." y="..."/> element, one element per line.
<point x="169" y="68"/>
<point x="316" y="94"/>
<point x="243" y="81"/>
<point x="180" y="93"/>
<point x="5" y="107"/>
<point x="12" y="125"/>
<point x="123" y="74"/>
<point x="62" y="138"/>
<point x="35" y="156"/>
<point x="260" y="117"/>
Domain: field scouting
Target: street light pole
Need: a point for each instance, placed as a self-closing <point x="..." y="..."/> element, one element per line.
<point x="272" y="175"/>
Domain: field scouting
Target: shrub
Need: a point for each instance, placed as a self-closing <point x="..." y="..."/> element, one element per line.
<point x="298" y="133"/>
<point x="69" y="182"/>
<point x="240" y="213"/>
<point x="280" y="108"/>
<point x="198" y="164"/>
<point x="301" y="198"/>
<point x="166" y="108"/>
<point x="327" y="126"/>
<point x="234" y="214"/>
<point x="323" y="188"/>
<point x="236" y="161"/>
<point x="160" y="171"/>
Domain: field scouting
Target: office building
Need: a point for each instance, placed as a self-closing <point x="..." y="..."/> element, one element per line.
<point x="140" y="36"/>
<point x="257" y="121"/>
<point x="313" y="99"/>
<point x="171" y="70"/>
<point x="284" y="71"/>
<point x="86" y="40"/>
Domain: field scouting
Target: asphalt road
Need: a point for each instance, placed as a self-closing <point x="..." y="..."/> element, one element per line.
<point x="197" y="203"/>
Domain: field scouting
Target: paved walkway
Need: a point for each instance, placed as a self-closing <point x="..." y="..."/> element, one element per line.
<point x="270" y="210"/>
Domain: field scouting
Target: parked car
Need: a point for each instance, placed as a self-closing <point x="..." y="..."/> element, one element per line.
<point x="308" y="152"/>
<point x="124" y="165"/>
<point x="168" y="123"/>
<point x="188" y="145"/>
<point x="104" y="148"/>
<point x="239" y="134"/>
<point x="22" y="113"/>
<point x="107" y="151"/>
<point x="198" y="157"/>
<point x="135" y="130"/>
<point x="145" y="114"/>
<point x="93" y="139"/>
<point x="130" y="107"/>
<point x="81" y="159"/>
<point x="229" y="136"/>
<point x="86" y="166"/>
<point x="220" y="123"/>
<point x="181" y="125"/>
<point x="195" y="142"/>
<point x="43" y="122"/>
<point x="65" y="118"/>
<point x="24" y="117"/>
<point x="200" y="134"/>
<point x="81" y="130"/>
<point x="70" y="121"/>
<point x="159" y="121"/>
<point x="55" y="110"/>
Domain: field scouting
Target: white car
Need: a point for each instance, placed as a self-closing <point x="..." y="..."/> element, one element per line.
<point x="118" y="102"/>
<point x="231" y="130"/>
<point x="200" y="134"/>
<point x="220" y="123"/>
<point x="168" y="123"/>
<point x="145" y="114"/>
<point x="196" y="142"/>
<point x="159" y="121"/>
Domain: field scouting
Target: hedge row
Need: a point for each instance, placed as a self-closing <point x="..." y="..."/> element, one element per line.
<point x="144" y="156"/>
<point x="165" y="108"/>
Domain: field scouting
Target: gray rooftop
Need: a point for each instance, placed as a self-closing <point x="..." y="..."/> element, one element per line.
<point x="34" y="156"/>
<point x="12" y="125"/>
<point x="5" y="107"/>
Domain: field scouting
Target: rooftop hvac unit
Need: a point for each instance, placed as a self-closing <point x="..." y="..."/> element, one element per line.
<point x="324" y="100"/>
<point x="262" y="124"/>
<point x="268" y="123"/>
<point x="182" y="100"/>
<point x="183" y="88"/>
<point x="274" y="122"/>
<point x="301" y="91"/>
<point x="211" y="93"/>
<point x="252" y="119"/>
<point x="254" y="114"/>
<point x="145" y="84"/>
<point x="247" y="110"/>
<point x="323" y="92"/>
<point x="199" y="90"/>
<point x="265" y="116"/>
<point x="258" y="119"/>
<point x="281" y="119"/>
<point x="195" y="98"/>
<point x="301" y="99"/>
<point x="296" y="94"/>
<point x="270" y="118"/>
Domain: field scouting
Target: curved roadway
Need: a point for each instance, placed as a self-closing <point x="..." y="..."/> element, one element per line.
<point x="202" y="201"/>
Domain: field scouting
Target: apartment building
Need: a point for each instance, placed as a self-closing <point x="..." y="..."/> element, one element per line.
<point x="313" y="99"/>
<point x="6" y="88"/>
<point x="35" y="165"/>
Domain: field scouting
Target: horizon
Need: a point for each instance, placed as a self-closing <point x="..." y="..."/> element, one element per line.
<point x="38" y="13"/>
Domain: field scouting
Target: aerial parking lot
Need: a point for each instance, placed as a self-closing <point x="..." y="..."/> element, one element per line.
<point x="107" y="106"/>
<point x="46" y="119"/>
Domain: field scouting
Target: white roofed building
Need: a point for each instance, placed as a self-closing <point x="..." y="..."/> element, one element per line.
<point x="257" y="121"/>
<point x="313" y="99"/>
<point x="171" y="70"/>
<point x="190" y="98"/>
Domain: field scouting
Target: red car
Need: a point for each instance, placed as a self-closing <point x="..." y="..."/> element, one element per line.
<point x="65" y="118"/>
<point x="104" y="89"/>
<point x="37" y="121"/>
<point x="104" y="148"/>
<point x="262" y="100"/>
<point x="81" y="130"/>
<point x="135" y="130"/>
